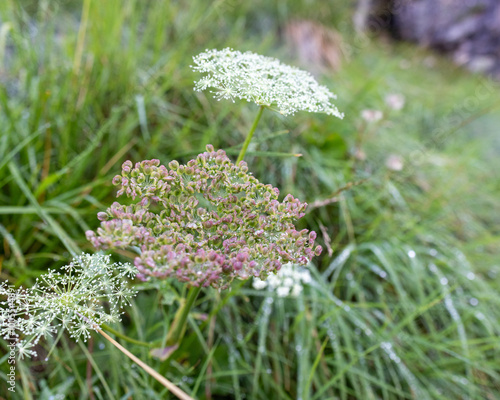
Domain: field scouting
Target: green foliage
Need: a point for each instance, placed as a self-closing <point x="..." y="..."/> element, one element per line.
<point x="406" y="305"/>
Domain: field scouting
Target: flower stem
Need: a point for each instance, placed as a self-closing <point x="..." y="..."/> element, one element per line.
<point x="125" y="337"/>
<point x="160" y="378"/>
<point x="178" y="327"/>
<point x="250" y="134"/>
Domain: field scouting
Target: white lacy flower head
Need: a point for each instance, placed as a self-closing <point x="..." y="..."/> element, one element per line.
<point x="289" y="281"/>
<point x="88" y="292"/>
<point x="262" y="80"/>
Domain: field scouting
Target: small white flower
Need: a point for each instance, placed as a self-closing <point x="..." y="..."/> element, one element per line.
<point x="282" y="291"/>
<point x="289" y="281"/>
<point x="24" y="349"/>
<point x="394" y="162"/>
<point x="262" y="80"/>
<point x="395" y="101"/>
<point x="296" y="290"/>
<point x="372" y="115"/>
<point x="259" y="284"/>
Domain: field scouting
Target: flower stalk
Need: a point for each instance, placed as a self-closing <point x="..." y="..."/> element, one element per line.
<point x="178" y="326"/>
<point x="160" y="378"/>
<point x="250" y="135"/>
<point x="125" y="337"/>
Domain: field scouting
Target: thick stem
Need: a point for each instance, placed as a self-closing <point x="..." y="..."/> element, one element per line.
<point x="250" y="134"/>
<point x="178" y="327"/>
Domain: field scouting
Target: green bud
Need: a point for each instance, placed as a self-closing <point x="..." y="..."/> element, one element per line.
<point x="174" y="165"/>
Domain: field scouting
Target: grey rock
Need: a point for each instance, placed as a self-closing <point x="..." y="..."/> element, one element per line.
<point x="467" y="30"/>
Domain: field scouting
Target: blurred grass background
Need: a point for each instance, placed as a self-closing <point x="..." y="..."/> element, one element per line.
<point x="405" y="304"/>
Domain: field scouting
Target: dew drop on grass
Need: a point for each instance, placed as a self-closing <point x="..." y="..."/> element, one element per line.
<point x="444" y="281"/>
<point x="480" y="316"/>
<point x="411" y="254"/>
<point x="331" y="335"/>
<point x="473" y="301"/>
<point x="357" y="331"/>
<point x="349" y="276"/>
<point x="347" y="308"/>
<point x="298" y="348"/>
<point x="101" y="346"/>
<point x="433" y="252"/>
<point x="471" y="276"/>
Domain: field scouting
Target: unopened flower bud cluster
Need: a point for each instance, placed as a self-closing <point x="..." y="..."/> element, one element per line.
<point x="204" y="223"/>
<point x="289" y="281"/>
<point x="264" y="81"/>
<point x="88" y="292"/>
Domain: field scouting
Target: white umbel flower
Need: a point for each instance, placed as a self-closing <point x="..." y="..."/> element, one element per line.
<point x="89" y="291"/>
<point x="262" y="80"/>
<point x="289" y="281"/>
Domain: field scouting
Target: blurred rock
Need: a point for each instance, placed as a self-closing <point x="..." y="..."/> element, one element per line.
<point x="317" y="47"/>
<point x="467" y="30"/>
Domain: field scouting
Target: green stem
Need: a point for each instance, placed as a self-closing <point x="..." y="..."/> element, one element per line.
<point x="250" y="134"/>
<point x="124" y="337"/>
<point x="178" y="327"/>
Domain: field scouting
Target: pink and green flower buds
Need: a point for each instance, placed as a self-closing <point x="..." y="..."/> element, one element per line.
<point x="204" y="223"/>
